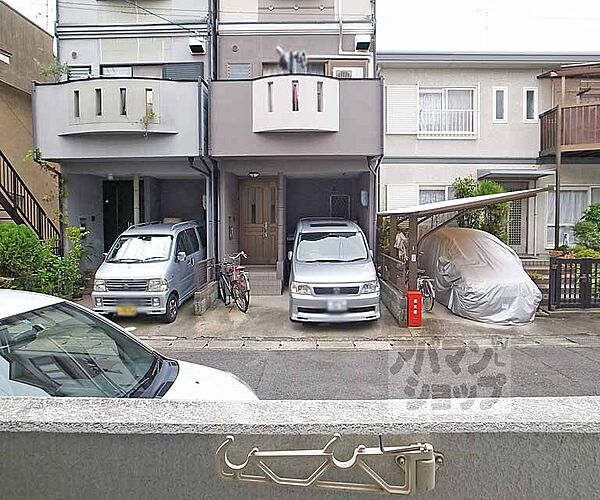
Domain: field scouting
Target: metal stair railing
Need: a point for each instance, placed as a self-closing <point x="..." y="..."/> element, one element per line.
<point x="22" y="206"/>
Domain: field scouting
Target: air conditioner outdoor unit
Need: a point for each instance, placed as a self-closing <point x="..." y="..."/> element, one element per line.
<point x="197" y="46"/>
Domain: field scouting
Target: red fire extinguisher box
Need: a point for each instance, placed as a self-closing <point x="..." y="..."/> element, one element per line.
<point x="414" y="308"/>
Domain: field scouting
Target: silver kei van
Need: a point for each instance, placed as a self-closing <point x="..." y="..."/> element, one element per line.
<point x="333" y="278"/>
<point x="152" y="268"/>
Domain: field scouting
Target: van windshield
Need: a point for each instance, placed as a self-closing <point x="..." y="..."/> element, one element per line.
<point x="331" y="247"/>
<point x="141" y="248"/>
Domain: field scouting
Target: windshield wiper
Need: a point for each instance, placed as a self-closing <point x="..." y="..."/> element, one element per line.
<point x="325" y="260"/>
<point x="147" y="259"/>
<point x="355" y="260"/>
<point x="125" y="260"/>
<point x="146" y="380"/>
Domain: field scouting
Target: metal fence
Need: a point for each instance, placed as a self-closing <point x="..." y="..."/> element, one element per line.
<point x="574" y="283"/>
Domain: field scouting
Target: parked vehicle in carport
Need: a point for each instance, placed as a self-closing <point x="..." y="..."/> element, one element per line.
<point x="479" y="277"/>
<point x="333" y="278"/>
<point x="52" y="347"/>
<point x="152" y="268"/>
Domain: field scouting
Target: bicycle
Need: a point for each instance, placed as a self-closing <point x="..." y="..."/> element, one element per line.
<point x="233" y="282"/>
<point x="427" y="289"/>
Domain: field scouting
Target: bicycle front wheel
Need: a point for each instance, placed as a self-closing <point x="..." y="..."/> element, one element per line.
<point x="241" y="296"/>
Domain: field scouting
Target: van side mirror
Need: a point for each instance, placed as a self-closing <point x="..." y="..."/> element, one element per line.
<point x="181" y="256"/>
<point x="290" y="255"/>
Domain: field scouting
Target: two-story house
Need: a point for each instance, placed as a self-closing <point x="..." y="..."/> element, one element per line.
<point x="453" y="115"/>
<point x="128" y="121"/>
<point x="294" y="145"/>
<point x="28" y="194"/>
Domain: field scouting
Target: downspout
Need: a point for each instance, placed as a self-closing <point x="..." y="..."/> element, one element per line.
<point x="341" y="51"/>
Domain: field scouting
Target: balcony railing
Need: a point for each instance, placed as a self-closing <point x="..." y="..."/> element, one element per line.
<point x="580" y="130"/>
<point x="448" y="123"/>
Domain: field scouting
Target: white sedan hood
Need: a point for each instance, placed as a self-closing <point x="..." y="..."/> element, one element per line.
<point x="201" y="382"/>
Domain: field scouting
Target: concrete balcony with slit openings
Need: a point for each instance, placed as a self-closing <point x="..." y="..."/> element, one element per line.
<point x="118" y="117"/>
<point x="296" y="114"/>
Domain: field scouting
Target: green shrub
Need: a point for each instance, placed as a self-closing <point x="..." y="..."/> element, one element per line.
<point x="587" y="230"/>
<point x="583" y="252"/>
<point x="492" y="219"/>
<point x="28" y="264"/>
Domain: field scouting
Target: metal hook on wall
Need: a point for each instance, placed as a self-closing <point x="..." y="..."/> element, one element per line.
<point x="417" y="461"/>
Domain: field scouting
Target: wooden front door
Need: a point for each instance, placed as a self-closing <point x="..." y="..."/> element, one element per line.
<point x="258" y="220"/>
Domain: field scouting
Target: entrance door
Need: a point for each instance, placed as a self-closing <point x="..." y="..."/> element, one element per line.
<point x="517" y="218"/>
<point x="258" y="220"/>
<point x="117" y="210"/>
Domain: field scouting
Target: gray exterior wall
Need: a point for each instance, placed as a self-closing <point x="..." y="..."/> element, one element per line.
<point x="520" y="448"/>
<point x="258" y="49"/>
<point x="174" y="132"/>
<point x="360" y="124"/>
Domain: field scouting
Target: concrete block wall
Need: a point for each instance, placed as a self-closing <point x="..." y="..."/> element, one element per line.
<point x="517" y="448"/>
<point x="205" y="298"/>
<point x="394" y="301"/>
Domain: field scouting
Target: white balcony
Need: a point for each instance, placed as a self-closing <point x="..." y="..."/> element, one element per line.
<point x="296" y="103"/>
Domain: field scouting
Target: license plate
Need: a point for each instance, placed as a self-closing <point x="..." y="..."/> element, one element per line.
<point x="337" y="305"/>
<point x="126" y="310"/>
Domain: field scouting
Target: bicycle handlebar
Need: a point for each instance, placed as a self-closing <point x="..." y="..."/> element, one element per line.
<point x="239" y="254"/>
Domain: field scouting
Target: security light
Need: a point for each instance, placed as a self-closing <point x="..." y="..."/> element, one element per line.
<point x="197" y="45"/>
<point x="253" y="175"/>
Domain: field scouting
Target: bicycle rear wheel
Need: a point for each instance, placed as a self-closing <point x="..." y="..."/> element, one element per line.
<point x="428" y="296"/>
<point x="241" y="296"/>
<point x="223" y="289"/>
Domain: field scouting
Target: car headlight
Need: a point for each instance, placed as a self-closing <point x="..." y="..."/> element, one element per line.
<point x="370" y="287"/>
<point x="300" y="288"/>
<point x="157" y="285"/>
<point x="99" y="286"/>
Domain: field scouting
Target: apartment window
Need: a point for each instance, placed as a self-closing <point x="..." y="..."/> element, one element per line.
<point x="448" y="112"/>
<point x="319" y="97"/>
<point x="98" y="102"/>
<point x="117" y="71"/>
<point x="270" y="96"/>
<point x="500" y="105"/>
<point x="76" y="104"/>
<point x="149" y="101"/>
<point x="530" y="105"/>
<point x="295" y="95"/>
<point x="431" y="194"/>
<point x="123" y="101"/>
<point x="573" y="202"/>
<point x="239" y="71"/>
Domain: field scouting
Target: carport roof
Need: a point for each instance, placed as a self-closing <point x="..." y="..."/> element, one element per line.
<point x="460" y="204"/>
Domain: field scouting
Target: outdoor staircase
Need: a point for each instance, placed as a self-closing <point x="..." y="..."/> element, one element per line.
<point x="18" y="204"/>
<point x="538" y="269"/>
<point x="264" y="280"/>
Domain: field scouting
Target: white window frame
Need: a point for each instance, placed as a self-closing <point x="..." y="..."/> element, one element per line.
<point x="573" y="187"/>
<point x="535" y="105"/>
<point x="444" y="134"/>
<point x="434" y="187"/>
<point x="505" y="107"/>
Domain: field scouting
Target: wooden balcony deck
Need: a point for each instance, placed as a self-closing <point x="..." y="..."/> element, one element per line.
<point x="580" y="130"/>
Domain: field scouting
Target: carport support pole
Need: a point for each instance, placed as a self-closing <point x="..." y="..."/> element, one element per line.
<point x="413" y="238"/>
<point x="558" y="148"/>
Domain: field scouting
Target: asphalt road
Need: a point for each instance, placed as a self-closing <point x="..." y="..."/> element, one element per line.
<point x="411" y="373"/>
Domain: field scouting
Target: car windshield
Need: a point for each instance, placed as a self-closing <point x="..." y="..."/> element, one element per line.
<point x="60" y="350"/>
<point x="331" y="247"/>
<point x="141" y="248"/>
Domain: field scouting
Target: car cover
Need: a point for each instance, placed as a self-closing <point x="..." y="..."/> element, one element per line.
<point x="479" y="277"/>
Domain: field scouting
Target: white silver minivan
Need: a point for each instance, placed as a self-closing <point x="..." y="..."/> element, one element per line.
<point x="332" y="277"/>
<point x="152" y="268"/>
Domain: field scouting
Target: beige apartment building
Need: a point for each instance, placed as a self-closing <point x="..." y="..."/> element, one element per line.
<point x="27" y="194"/>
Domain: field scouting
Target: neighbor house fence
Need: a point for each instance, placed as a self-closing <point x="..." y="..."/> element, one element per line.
<point x="390" y="268"/>
<point x="574" y="283"/>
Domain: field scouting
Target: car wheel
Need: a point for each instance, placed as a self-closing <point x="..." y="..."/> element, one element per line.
<point x="172" y="308"/>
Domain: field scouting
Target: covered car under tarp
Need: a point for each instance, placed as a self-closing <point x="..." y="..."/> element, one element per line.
<point x="479" y="277"/>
